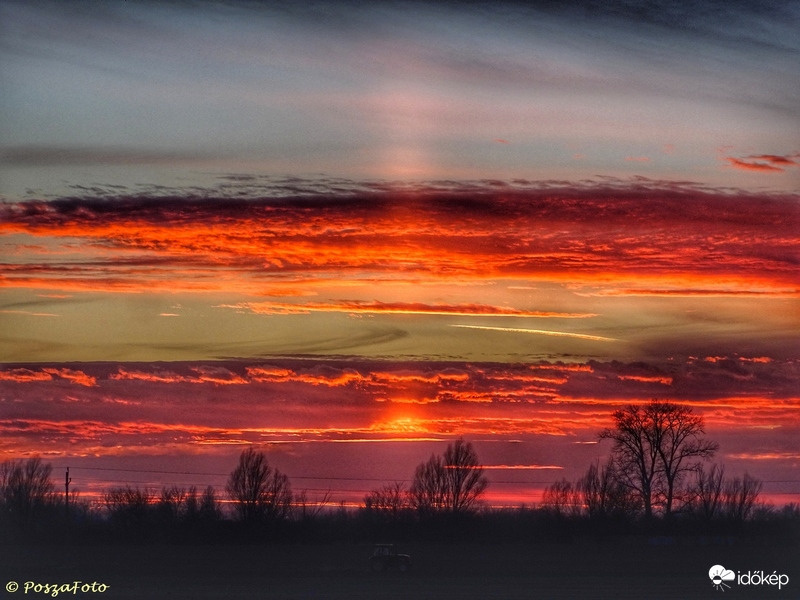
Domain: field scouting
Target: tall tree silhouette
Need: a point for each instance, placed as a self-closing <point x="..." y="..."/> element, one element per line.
<point x="259" y="491"/>
<point x="451" y="483"/>
<point x="655" y="446"/>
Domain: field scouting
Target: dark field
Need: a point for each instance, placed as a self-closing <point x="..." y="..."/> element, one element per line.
<point x="619" y="569"/>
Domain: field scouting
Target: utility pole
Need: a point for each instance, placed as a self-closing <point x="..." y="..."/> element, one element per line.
<point x="67" y="481"/>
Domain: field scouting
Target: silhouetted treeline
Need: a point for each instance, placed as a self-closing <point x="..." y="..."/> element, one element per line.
<point x="657" y="482"/>
<point x="188" y="515"/>
<point x="134" y="515"/>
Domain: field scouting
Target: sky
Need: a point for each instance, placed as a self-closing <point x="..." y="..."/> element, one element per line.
<point x="349" y="234"/>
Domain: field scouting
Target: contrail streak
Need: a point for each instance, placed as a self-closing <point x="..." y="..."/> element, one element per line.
<point x="582" y="336"/>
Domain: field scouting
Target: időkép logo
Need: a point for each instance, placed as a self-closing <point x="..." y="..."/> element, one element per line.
<point x="722" y="578"/>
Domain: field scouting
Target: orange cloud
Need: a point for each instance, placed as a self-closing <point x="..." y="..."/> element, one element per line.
<point x="269" y="373"/>
<point x="525" y="418"/>
<point x="756" y="359"/>
<point x="78" y="377"/>
<point x="203" y="374"/>
<point x="753" y="166"/>
<point x="123" y="374"/>
<point x="400" y="377"/>
<point x="766" y="456"/>
<point x="24" y="375"/>
<point x="375" y="307"/>
<point x="765" y="163"/>
<point x="647" y="379"/>
<point x="608" y="235"/>
<point x="330" y="377"/>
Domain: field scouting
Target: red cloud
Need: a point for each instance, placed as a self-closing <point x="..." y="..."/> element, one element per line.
<point x="753" y="166"/>
<point x="775" y="159"/>
<point x="764" y="163"/>
<point x="23" y="375"/>
<point x="139" y="407"/>
<point x="320" y="377"/>
<point x="78" y="377"/>
<point x="644" y="231"/>
<point x="203" y="374"/>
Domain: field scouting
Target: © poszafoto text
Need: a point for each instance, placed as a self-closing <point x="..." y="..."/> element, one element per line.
<point x="55" y="589"/>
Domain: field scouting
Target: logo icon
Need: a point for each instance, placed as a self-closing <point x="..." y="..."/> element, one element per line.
<point x="719" y="575"/>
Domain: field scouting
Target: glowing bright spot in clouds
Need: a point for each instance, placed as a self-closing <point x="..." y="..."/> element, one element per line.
<point x="403" y="419"/>
<point x="581" y="336"/>
<point x="406" y="424"/>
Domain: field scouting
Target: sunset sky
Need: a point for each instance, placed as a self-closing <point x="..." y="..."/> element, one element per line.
<point x="350" y="233"/>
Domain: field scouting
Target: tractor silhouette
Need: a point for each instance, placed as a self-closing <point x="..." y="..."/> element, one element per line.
<point x="385" y="557"/>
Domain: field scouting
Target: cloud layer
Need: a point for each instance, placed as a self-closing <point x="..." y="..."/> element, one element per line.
<point x="681" y="237"/>
<point x="525" y="418"/>
<point x="415" y="90"/>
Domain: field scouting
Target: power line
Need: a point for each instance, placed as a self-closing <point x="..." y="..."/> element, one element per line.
<point x="329" y="477"/>
<point x="158" y="472"/>
<point x="145" y="471"/>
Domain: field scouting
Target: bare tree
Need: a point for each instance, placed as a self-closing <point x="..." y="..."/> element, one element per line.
<point x="428" y="490"/>
<point x="593" y="488"/>
<point x="681" y="446"/>
<point x="740" y="496"/>
<point x="453" y="483"/>
<point x="25" y="489"/>
<point x="305" y="509"/>
<point x="561" y="499"/>
<point x="173" y="503"/>
<point x="464" y="476"/>
<point x="259" y="491"/>
<point x="203" y="507"/>
<point x="209" y="505"/>
<point x="655" y="446"/>
<point x="390" y="500"/>
<point x="129" y="507"/>
<point x="192" y="503"/>
<point x="602" y="494"/>
<point x="174" y="496"/>
<point x="708" y="491"/>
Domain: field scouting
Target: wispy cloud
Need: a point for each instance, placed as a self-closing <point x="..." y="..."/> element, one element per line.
<point x="409" y="308"/>
<point x="47" y="156"/>
<point x="521" y="467"/>
<point x="27" y="313"/>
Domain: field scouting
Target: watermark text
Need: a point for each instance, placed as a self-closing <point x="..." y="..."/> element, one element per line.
<point x="55" y="589"/>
